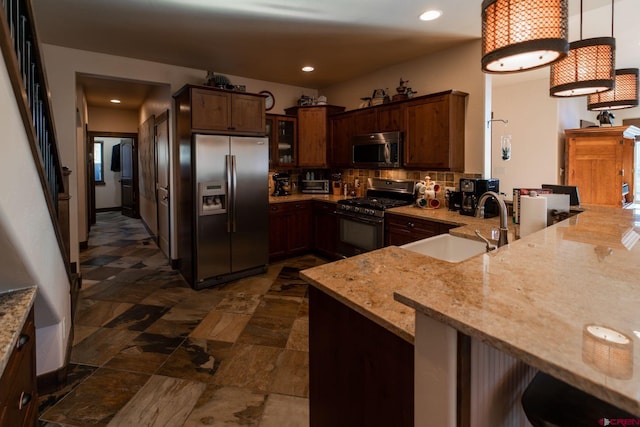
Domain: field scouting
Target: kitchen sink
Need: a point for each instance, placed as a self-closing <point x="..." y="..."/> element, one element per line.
<point x="447" y="247"/>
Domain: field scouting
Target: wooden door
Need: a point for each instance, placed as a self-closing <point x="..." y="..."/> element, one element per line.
<point x="390" y="118"/>
<point x="247" y="114"/>
<point x="210" y="110"/>
<point x="427" y="138"/>
<point x="162" y="181"/>
<point x="341" y="134"/>
<point x="128" y="178"/>
<point x="594" y="165"/>
<point x="312" y="137"/>
<point x="364" y="121"/>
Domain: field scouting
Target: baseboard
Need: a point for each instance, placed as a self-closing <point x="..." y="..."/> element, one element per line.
<point x="175" y="264"/>
<point x="114" y="209"/>
<point x="56" y="380"/>
<point x="146" y="227"/>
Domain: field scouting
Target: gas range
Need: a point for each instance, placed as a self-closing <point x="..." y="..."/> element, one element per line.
<point x="370" y="205"/>
<point x="361" y="220"/>
<point x="382" y="194"/>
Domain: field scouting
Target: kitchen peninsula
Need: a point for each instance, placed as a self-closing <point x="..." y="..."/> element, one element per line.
<point x="532" y="300"/>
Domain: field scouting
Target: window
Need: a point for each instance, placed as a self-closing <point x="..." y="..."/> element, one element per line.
<point x="98" y="163"/>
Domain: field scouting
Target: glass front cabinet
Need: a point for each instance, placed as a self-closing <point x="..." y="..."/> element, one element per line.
<point x="281" y="131"/>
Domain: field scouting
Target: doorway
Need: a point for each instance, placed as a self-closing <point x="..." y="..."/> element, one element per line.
<point x="112" y="173"/>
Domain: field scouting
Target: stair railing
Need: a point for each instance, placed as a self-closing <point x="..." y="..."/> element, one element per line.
<point x="21" y="52"/>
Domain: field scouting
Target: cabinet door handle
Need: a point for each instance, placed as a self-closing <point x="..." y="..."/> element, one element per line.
<point x="22" y="341"/>
<point x="25" y="398"/>
<point x="410" y="224"/>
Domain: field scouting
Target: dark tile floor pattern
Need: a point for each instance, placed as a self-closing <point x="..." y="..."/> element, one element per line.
<point x="148" y="350"/>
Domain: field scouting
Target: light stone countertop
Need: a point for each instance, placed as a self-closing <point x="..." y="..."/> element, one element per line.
<point x="14" y="308"/>
<point x="298" y="197"/>
<point x="531" y="299"/>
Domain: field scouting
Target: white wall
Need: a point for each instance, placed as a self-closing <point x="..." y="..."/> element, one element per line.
<point x="457" y="68"/>
<point x="62" y="64"/>
<point x="28" y="244"/>
<point x="532" y="123"/>
<point x="109" y="194"/>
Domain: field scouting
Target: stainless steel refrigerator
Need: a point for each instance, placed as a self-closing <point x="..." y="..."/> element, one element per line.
<point x="230" y="216"/>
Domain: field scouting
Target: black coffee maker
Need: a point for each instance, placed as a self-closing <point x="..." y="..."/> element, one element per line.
<point x="472" y="189"/>
<point x="281" y="184"/>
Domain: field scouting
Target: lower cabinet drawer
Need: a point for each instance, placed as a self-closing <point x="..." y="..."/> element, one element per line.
<point x="18" y="393"/>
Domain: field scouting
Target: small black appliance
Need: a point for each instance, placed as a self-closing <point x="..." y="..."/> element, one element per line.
<point x="472" y="189"/>
<point x="281" y="184"/>
<point x="454" y="200"/>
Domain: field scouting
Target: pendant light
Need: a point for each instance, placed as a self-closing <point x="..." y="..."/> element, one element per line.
<point x="588" y="68"/>
<point x="624" y="95"/>
<point x="519" y="35"/>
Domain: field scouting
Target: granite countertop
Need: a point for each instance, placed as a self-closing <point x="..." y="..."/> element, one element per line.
<point x="532" y="299"/>
<point x="14" y="308"/>
<point x="366" y="282"/>
<point x="302" y="197"/>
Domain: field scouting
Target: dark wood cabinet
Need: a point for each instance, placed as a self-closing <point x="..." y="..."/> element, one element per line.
<point x="222" y="111"/>
<point x="290" y="229"/>
<point x="400" y="229"/>
<point x="18" y="388"/>
<point x="390" y="118"/>
<point x="364" y="121"/>
<point x="434" y="132"/>
<point x="282" y="133"/>
<point x="600" y="162"/>
<point x="342" y="130"/>
<point x="360" y="374"/>
<point x="325" y="229"/>
<point x="433" y="128"/>
<point x="313" y="133"/>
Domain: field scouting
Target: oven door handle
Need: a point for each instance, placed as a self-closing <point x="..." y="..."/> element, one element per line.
<point x="362" y="219"/>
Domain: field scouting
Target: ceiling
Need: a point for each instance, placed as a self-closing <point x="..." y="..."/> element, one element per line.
<point x="272" y="39"/>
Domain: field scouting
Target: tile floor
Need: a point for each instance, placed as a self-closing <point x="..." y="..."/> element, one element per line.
<point x="148" y="350"/>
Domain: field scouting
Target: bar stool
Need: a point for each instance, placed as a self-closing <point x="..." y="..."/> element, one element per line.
<point x="549" y="402"/>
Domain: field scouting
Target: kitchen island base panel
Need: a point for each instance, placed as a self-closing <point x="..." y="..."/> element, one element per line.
<point x="460" y="381"/>
<point x="360" y="374"/>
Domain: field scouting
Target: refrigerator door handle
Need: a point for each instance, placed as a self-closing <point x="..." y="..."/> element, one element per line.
<point x="230" y="207"/>
<point x="235" y="182"/>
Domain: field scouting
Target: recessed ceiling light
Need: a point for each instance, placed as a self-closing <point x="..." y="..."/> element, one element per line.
<point x="115" y="101"/>
<point x="430" y="15"/>
<point x="308" y="69"/>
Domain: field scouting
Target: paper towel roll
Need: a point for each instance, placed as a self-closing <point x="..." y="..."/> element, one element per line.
<point x="533" y="214"/>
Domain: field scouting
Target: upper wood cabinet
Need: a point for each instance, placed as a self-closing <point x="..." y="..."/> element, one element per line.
<point x="217" y="110"/>
<point x="432" y="125"/>
<point x="313" y="133"/>
<point x="390" y="118"/>
<point x="342" y="130"/>
<point x="283" y="141"/>
<point x="599" y="161"/>
<point x="434" y="132"/>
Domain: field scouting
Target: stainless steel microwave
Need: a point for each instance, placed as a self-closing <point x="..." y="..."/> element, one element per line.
<point x="377" y="150"/>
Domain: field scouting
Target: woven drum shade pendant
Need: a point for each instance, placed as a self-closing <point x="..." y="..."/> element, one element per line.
<point x="588" y="68"/>
<point x="624" y="95"/>
<point x="520" y="35"/>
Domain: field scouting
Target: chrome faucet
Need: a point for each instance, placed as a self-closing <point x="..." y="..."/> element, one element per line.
<point x="502" y="239"/>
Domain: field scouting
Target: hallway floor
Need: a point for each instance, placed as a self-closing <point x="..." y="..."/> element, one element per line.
<point x="148" y="350"/>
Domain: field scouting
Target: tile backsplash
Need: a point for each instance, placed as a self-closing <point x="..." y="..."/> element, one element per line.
<point x="445" y="179"/>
